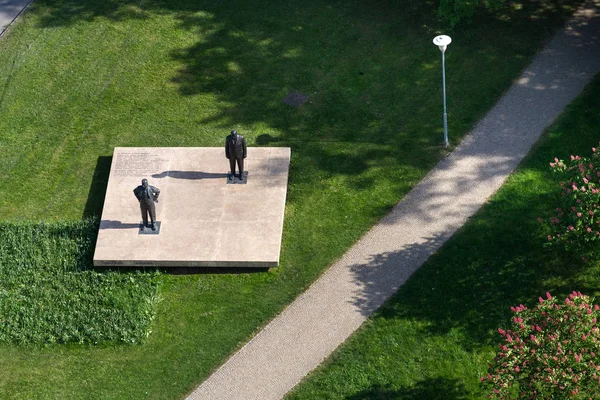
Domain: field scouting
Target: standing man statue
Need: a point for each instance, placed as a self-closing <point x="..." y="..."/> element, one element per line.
<point x="235" y="151"/>
<point x="147" y="195"/>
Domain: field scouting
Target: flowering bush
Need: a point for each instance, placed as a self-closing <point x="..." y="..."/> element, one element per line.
<point x="577" y="222"/>
<point x="551" y="352"/>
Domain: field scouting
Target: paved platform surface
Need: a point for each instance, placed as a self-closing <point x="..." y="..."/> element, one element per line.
<point x="315" y="324"/>
<point x="9" y="11"/>
<point x="205" y="222"/>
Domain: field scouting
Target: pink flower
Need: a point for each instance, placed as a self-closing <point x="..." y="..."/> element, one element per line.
<point x="578" y="215"/>
<point x="552" y="164"/>
<point x="594" y="149"/>
<point x="570" y="227"/>
<point x="585" y="180"/>
<point x="548" y="296"/>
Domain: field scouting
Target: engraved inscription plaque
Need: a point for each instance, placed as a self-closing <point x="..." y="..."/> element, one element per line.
<point x="138" y="164"/>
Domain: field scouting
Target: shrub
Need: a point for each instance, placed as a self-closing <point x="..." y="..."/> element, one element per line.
<point x="48" y="295"/>
<point x="551" y="352"/>
<point x="576" y="223"/>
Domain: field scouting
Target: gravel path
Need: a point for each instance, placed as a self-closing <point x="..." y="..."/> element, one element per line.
<point x="322" y="318"/>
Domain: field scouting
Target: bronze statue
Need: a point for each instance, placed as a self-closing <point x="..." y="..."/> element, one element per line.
<point x="235" y="151"/>
<point x="147" y="195"/>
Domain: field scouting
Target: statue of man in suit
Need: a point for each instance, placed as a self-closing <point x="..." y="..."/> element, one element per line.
<point x="235" y="151"/>
<point x="147" y="195"/>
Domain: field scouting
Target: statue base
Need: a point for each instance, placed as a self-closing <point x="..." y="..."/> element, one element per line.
<point x="147" y="230"/>
<point x="205" y="220"/>
<point x="237" y="180"/>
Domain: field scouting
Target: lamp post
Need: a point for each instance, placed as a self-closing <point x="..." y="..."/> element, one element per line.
<point x="442" y="41"/>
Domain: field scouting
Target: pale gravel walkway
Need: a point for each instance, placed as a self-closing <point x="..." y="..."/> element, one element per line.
<point x="9" y="11"/>
<point x="316" y="323"/>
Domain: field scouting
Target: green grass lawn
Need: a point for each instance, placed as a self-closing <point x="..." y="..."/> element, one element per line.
<point x="80" y="78"/>
<point x="434" y="337"/>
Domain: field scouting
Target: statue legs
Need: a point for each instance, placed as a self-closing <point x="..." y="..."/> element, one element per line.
<point x="240" y="164"/>
<point x="148" y="207"/>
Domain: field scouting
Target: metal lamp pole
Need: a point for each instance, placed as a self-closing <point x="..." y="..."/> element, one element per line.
<point x="442" y="42"/>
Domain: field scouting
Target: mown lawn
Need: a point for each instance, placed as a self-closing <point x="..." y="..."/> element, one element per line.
<point x="80" y="78"/>
<point x="434" y="338"/>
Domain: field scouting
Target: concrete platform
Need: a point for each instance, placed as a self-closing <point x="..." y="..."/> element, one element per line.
<point x="205" y="222"/>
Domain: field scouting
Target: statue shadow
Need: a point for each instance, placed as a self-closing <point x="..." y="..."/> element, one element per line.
<point x="97" y="192"/>
<point x="191" y="175"/>
<point x="110" y="224"/>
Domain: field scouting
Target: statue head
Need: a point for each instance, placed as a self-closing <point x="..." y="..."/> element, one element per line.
<point x="234" y="133"/>
<point x="145" y="183"/>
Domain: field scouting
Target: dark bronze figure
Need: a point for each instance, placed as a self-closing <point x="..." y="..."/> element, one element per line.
<point x="147" y="195"/>
<point x="236" y="151"/>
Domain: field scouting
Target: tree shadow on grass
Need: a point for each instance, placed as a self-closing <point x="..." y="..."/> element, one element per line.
<point x="56" y="13"/>
<point x="494" y="262"/>
<point x="373" y="100"/>
<point x="428" y="389"/>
